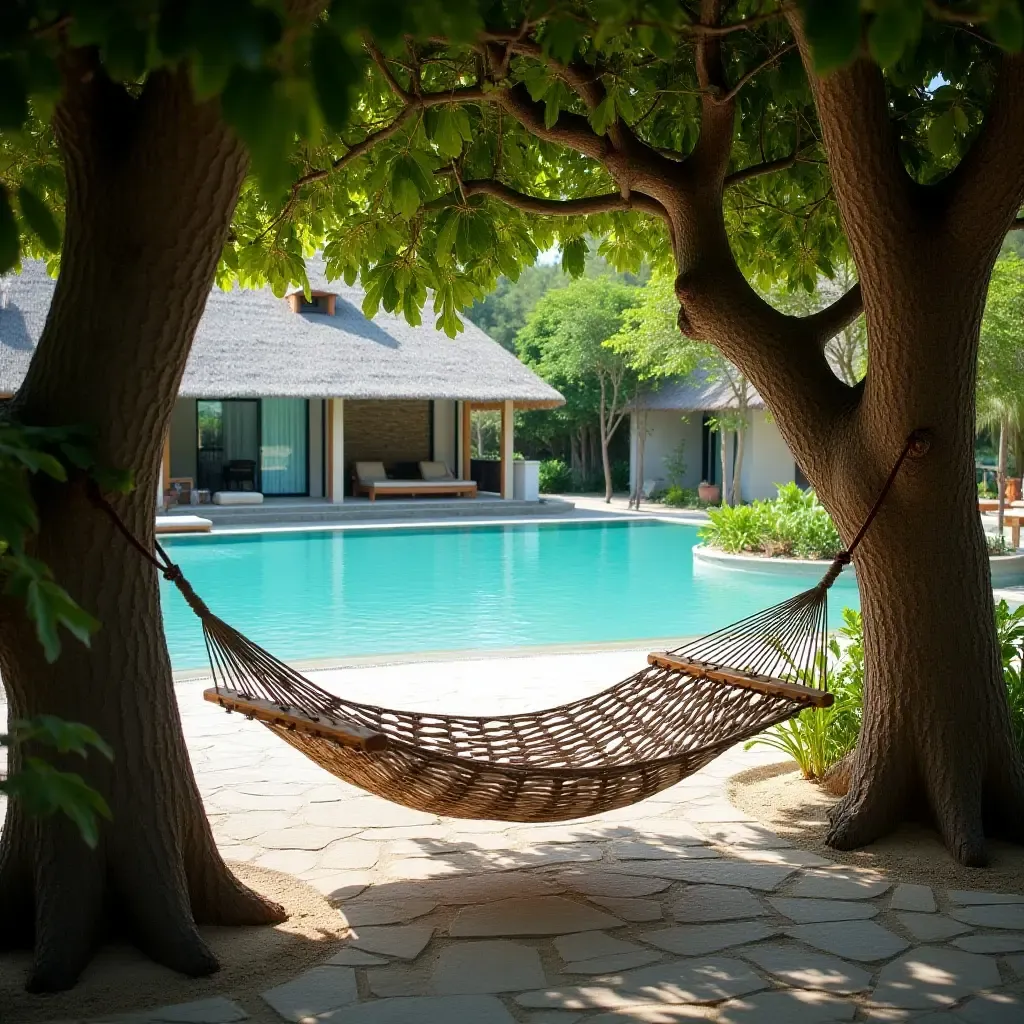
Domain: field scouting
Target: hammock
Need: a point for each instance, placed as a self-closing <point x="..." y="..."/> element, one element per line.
<point x="609" y="750"/>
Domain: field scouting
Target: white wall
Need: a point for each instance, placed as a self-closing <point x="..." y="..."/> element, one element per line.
<point x="767" y="460"/>
<point x="183" y="438"/>
<point x="445" y="450"/>
<point x="665" y="430"/>
<point x="316" y="447"/>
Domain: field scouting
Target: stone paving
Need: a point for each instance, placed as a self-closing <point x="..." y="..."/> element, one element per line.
<point x="678" y="909"/>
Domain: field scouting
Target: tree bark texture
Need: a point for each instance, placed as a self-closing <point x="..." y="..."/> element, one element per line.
<point x="151" y="185"/>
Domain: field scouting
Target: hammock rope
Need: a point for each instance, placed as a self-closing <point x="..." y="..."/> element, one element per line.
<point x="605" y="751"/>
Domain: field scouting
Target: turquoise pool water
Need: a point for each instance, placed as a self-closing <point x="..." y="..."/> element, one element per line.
<point x="324" y="594"/>
<point x="340" y="593"/>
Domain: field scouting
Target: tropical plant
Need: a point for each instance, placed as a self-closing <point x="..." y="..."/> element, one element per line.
<point x="1010" y="630"/>
<point x="818" y="738"/>
<point x="675" y="465"/>
<point x="793" y="524"/>
<point x="681" y="497"/>
<point x="554" y="477"/>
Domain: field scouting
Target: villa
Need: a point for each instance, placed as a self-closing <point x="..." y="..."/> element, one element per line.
<point x="283" y="396"/>
<point x="680" y="413"/>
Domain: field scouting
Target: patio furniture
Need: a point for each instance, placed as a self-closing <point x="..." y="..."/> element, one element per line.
<point x="370" y="478"/>
<point x="240" y="472"/>
<point x="238" y="498"/>
<point x="1013" y="517"/>
<point x="183" y="524"/>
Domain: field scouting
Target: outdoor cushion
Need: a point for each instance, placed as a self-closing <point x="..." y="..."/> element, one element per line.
<point x="421" y="485"/>
<point x="238" y="498"/>
<point x="183" y="524"/>
<point x="370" y="472"/>
<point x="434" y="471"/>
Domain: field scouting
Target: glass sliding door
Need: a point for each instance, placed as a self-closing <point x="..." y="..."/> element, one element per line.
<point x="228" y="436"/>
<point x="284" y="452"/>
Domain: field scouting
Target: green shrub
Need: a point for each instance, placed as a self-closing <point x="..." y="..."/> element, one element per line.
<point x="818" y="737"/>
<point x="987" y="490"/>
<point x="1010" y="630"/>
<point x="681" y="497"/>
<point x="554" y="476"/>
<point x="794" y="523"/>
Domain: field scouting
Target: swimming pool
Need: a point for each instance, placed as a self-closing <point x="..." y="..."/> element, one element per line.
<point x="329" y="594"/>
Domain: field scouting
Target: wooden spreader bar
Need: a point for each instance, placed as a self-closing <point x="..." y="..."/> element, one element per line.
<point x="809" y="695"/>
<point x="346" y="733"/>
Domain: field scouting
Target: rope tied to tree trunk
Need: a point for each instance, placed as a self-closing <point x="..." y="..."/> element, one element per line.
<point x="917" y="444"/>
<point x="170" y="570"/>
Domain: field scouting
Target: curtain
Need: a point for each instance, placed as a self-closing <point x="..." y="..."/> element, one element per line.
<point x="283" y="453"/>
<point x="240" y="433"/>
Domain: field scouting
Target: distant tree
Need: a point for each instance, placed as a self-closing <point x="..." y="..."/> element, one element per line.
<point x="650" y="341"/>
<point x="564" y="341"/>
<point x="502" y="313"/>
<point x="1000" y="383"/>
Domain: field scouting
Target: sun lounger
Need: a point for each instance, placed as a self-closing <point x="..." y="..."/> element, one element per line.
<point x="371" y="479"/>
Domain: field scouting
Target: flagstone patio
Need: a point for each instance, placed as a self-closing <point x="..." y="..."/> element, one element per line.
<point x="677" y="909"/>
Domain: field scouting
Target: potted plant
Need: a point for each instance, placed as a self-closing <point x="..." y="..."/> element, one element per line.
<point x="710" y="494"/>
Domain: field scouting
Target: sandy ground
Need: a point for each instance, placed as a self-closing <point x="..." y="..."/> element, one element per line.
<point x="790" y="806"/>
<point x="121" y="979"/>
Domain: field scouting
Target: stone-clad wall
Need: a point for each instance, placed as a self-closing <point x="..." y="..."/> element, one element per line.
<point x="386" y="431"/>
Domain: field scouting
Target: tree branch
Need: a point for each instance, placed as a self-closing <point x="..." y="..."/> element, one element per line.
<point x="413" y="104"/>
<point x="570" y="130"/>
<point x="755" y="171"/>
<point x="381" y="61"/>
<point x="767" y="63"/>
<point x="610" y="202"/>
<point x="986" y="189"/>
<point x="828" y="322"/>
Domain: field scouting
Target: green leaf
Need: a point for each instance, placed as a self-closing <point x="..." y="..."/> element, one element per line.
<point x="334" y="74"/>
<point x="10" y="246"/>
<point x="833" y="29"/>
<point x="1006" y="25"/>
<point x="942" y="134"/>
<point x="41" y="612"/>
<point x="603" y="115"/>
<point x="896" y="25"/>
<point x="39" y="218"/>
<point x="574" y="256"/>
<point x="960" y="119"/>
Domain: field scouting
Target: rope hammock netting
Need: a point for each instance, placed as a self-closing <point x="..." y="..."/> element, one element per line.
<point x="609" y="750"/>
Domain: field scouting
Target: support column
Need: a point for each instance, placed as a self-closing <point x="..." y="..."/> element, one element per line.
<point x="507" y="448"/>
<point x="335" y="486"/>
<point x="465" y="437"/>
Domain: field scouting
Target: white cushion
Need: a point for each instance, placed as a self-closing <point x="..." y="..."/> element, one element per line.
<point x="183" y="524"/>
<point x="434" y="471"/>
<point x="420" y="485"/>
<point x="370" y="472"/>
<point x="238" y="498"/>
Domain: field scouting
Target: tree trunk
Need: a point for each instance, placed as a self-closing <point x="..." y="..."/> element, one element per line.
<point x="737" y="473"/>
<point x="604" y="416"/>
<point x="152" y="182"/>
<point x="641" y="438"/>
<point x="1001" y="471"/>
<point x="723" y="450"/>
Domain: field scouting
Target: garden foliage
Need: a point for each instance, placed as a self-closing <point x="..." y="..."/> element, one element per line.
<point x="793" y="524"/>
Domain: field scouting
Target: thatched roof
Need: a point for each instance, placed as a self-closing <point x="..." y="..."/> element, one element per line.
<point x="251" y="344"/>
<point x="697" y="393"/>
